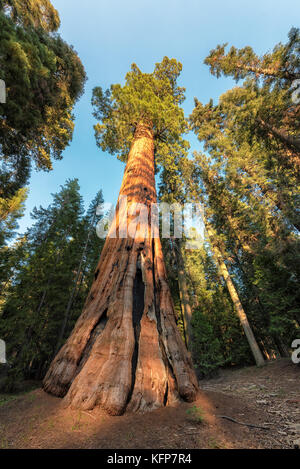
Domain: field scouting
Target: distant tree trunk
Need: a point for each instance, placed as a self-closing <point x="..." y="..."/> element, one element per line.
<point x="184" y="295"/>
<point x="272" y="341"/>
<point x="235" y="299"/>
<point x="282" y="348"/>
<point x="289" y="140"/>
<point x="126" y="352"/>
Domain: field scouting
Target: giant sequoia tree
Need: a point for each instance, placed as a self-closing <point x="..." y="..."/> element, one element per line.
<point x="125" y="351"/>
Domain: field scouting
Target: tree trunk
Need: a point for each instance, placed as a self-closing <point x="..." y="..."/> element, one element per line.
<point x="184" y="295"/>
<point x="235" y="298"/>
<point x="282" y="348"/>
<point x="289" y="140"/>
<point x="269" y="72"/>
<point x="125" y="352"/>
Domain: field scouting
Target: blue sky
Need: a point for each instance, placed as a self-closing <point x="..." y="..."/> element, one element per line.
<point x="110" y="35"/>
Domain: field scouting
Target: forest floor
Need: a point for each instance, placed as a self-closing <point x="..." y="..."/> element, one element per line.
<point x="268" y="397"/>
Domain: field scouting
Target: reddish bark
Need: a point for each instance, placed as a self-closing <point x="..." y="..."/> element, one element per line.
<point x="125" y="351"/>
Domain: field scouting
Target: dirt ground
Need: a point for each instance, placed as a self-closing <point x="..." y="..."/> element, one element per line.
<point x="268" y="397"/>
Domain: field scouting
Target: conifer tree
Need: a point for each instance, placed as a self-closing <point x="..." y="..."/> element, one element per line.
<point x="264" y="106"/>
<point x="125" y="351"/>
<point x="44" y="78"/>
<point x="44" y="271"/>
<point x="251" y="179"/>
<point x="173" y="192"/>
<point x="89" y="257"/>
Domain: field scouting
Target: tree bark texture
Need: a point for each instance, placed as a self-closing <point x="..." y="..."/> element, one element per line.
<point x="126" y="352"/>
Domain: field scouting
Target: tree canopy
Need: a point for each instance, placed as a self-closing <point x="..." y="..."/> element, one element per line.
<point x="35" y="13"/>
<point x="248" y="180"/>
<point x="264" y="108"/>
<point x="44" y="78"/>
<point x="153" y="98"/>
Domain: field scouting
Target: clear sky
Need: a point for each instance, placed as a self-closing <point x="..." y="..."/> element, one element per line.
<point x="110" y="35"/>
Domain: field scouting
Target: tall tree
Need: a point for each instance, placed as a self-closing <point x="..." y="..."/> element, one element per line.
<point x="264" y="106"/>
<point x="89" y="257"/>
<point x="125" y="351"/>
<point x="172" y="192"/>
<point x="184" y="294"/>
<point x="251" y="182"/>
<point x="235" y="298"/>
<point x="218" y="339"/>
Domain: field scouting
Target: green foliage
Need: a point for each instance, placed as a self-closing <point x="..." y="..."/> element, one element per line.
<point x="10" y="210"/>
<point x="54" y="263"/>
<point x="34" y="13"/>
<point x="44" y="78"/>
<point x="152" y="98"/>
<point x="262" y="111"/>
<point x="282" y="63"/>
<point x="196" y="414"/>
<point x="217" y="336"/>
<point x="206" y="347"/>
<point x="249" y="184"/>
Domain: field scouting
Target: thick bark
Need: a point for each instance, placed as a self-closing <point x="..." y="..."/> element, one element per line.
<point x="125" y="352"/>
<point x="235" y="299"/>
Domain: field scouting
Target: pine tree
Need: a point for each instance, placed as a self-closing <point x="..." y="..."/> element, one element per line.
<point x="173" y="192"/>
<point x="259" y="360"/>
<point x="217" y="340"/>
<point x="251" y="181"/>
<point x="264" y="106"/>
<point x="89" y="257"/>
<point x="43" y="276"/>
